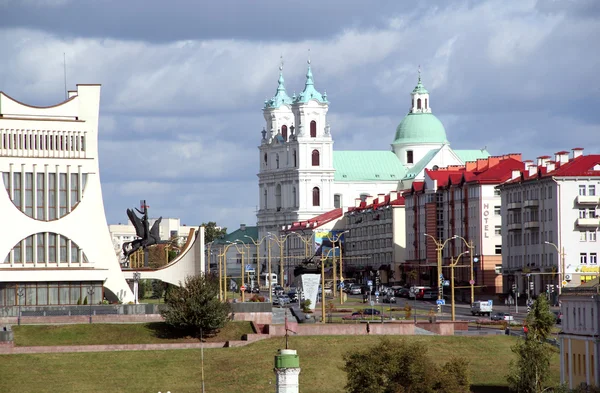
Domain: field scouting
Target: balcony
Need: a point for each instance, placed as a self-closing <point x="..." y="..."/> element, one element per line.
<point x="514" y="206"/>
<point x="532" y="224"/>
<point x="531" y="203"/>
<point x="587" y="200"/>
<point x="588" y="222"/>
<point x="514" y="227"/>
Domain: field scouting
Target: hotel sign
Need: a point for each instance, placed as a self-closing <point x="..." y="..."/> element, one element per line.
<point x="485" y="222"/>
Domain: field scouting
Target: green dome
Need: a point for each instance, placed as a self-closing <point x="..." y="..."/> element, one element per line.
<point x="420" y="128"/>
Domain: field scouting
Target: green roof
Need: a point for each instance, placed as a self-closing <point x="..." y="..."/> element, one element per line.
<point x="422" y="164"/>
<point x="309" y="92"/>
<point x="367" y="165"/>
<point x="420" y="128"/>
<point x="239" y="236"/>
<point x="472" y="155"/>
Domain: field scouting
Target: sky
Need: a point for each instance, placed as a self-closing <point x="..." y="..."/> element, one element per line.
<point x="184" y="82"/>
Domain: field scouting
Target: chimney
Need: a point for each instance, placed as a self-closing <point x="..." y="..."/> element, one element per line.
<point x="561" y="157"/>
<point x="532" y="170"/>
<point x="550" y="166"/>
<point x="369" y="200"/>
<point x="528" y="163"/>
<point x="393" y="195"/>
<point x="577" y="152"/>
<point x="542" y="160"/>
<point x="357" y="202"/>
<point x="515" y="174"/>
<point x="470" y="166"/>
<point x="242" y="227"/>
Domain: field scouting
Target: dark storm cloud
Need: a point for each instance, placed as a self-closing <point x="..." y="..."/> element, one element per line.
<point x="164" y="21"/>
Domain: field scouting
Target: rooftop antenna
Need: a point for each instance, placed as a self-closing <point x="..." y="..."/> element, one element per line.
<point x="65" y="74"/>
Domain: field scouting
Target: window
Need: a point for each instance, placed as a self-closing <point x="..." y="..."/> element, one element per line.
<point x="316" y="196"/>
<point x="582" y="190"/>
<point x="418" y="103"/>
<point x="62" y="194"/>
<point x="278" y="197"/>
<point x="582" y="236"/>
<point x="583" y="258"/>
<point x="266" y="158"/>
<point x="29" y="194"/>
<point x="313" y="129"/>
<point x="17" y="190"/>
<point x="593" y="258"/>
<point x="52" y="196"/>
<point x="265" y="198"/>
<point x="409" y="157"/>
<point x="592" y="236"/>
<point x="425" y="103"/>
<point x="337" y="201"/>
<point x="315" y="158"/>
<point x="284" y="132"/>
<point x="496" y="191"/>
<point x="277" y="161"/>
<point x="295" y="159"/>
<point x="74" y="189"/>
<point x="498" y="249"/>
<point x="40" y="186"/>
<point x="498" y="230"/>
<point x="295" y="203"/>
<point x="581" y="213"/>
<point x="592" y="190"/>
<point x="497" y="210"/>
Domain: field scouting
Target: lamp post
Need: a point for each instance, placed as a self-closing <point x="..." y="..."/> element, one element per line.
<point x="224" y="255"/>
<point x="90" y="292"/>
<point x="20" y="294"/>
<point x="439" y="246"/>
<point x="280" y="242"/>
<point x="257" y="245"/>
<point x="243" y="267"/>
<point x="323" y="259"/>
<point x="470" y="246"/>
<point x="561" y="265"/>
<point x="452" y="265"/>
<point x="337" y="238"/>
<point x="220" y="257"/>
<point x="305" y="241"/>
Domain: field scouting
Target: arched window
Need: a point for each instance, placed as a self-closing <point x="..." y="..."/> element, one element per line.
<point x="425" y="103"/>
<point x="337" y="201"/>
<point x="284" y="132"/>
<point x="412" y="103"/>
<point x="409" y="157"/>
<point x="418" y="103"/>
<point x="294" y="197"/>
<point x="277" y="161"/>
<point x="316" y="196"/>
<point x="315" y="158"/>
<point x="265" y="198"/>
<point x="265" y="158"/>
<point x="313" y="129"/>
<point x="295" y="159"/>
<point x="278" y="197"/>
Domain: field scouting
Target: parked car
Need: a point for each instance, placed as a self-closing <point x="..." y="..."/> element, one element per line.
<point x="402" y="292"/>
<point x="293" y="295"/>
<point x="277" y="289"/>
<point x="388" y="299"/>
<point x="501" y="316"/>
<point x="371" y="311"/>
<point x="429" y="294"/>
<point x="417" y="292"/>
<point x="355" y="290"/>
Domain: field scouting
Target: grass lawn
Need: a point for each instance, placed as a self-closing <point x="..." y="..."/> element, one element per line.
<point x="95" y="334"/>
<point x="243" y="369"/>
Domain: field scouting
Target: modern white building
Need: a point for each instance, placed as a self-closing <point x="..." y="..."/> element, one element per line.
<point x="301" y="176"/>
<point x="550" y="222"/>
<point x="55" y="242"/>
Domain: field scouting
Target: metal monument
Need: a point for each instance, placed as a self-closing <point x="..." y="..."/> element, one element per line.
<point x="146" y="236"/>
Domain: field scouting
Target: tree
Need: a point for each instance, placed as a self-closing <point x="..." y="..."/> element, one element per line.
<point x="212" y="231"/>
<point x="530" y="372"/>
<point x="402" y="366"/>
<point x="194" y="307"/>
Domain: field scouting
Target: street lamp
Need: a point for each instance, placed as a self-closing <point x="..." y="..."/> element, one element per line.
<point x="561" y="265"/>
<point x="257" y="245"/>
<point x="90" y="292"/>
<point x="439" y="246"/>
<point x="452" y="265"/>
<point x="323" y="259"/>
<point x="305" y="241"/>
<point x="243" y="267"/>
<point x="21" y="294"/>
<point x="470" y="246"/>
<point x="333" y="241"/>
<point x="280" y="243"/>
<point x="224" y="256"/>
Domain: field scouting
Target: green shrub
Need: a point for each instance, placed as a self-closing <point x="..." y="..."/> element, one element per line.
<point x="85" y="301"/>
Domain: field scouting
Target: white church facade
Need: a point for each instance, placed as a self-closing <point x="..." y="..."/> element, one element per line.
<point x="301" y="176"/>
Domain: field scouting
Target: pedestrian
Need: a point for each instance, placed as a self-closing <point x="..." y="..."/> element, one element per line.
<point x="525" y="330"/>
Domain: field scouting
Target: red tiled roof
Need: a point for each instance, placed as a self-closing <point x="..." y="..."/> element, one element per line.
<point x="580" y="166"/>
<point x="384" y="201"/>
<point x="316" y="221"/>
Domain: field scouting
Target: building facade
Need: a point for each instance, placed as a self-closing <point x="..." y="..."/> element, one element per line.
<point x="460" y="208"/>
<point x="376" y="239"/>
<point x="579" y="345"/>
<point x="550" y="223"/>
<point x="57" y="248"/>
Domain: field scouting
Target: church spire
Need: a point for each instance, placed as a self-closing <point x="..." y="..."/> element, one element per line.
<point x="309" y="92"/>
<point x="420" y="97"/>
<point x="280" y="97"/>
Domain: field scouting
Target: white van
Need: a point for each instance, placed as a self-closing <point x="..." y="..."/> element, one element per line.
<point x="264" y="279"/>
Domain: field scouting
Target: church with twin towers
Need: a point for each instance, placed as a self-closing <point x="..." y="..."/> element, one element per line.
<point x="301" y="176"/>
